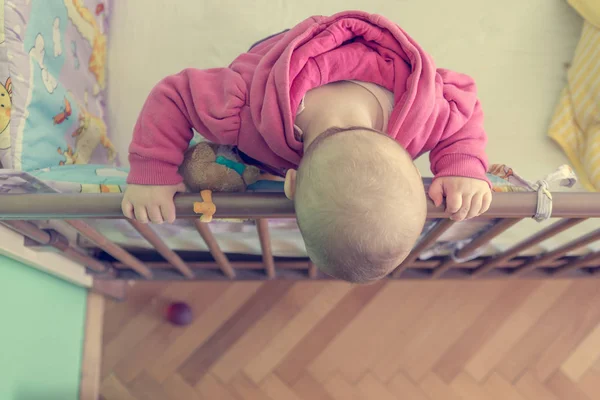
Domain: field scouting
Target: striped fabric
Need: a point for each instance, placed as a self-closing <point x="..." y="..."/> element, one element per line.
<point x="575" y="125"/>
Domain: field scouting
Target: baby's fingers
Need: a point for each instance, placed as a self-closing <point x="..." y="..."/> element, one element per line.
<point x="127" y="209"/>
<point x="141" y="215"/>
<point x="155" y="214"/>
<point x="168" y="212"/>
<point x="436" y="192"/>
<point x="487" y="201"/>
<point x="181" y="188"/>
<point x="454" y="202"/>
<point x="475" y="209"/>
<point x="464" y="209"/>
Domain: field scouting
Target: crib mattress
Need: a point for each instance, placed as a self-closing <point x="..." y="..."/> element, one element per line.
<point x="53" y="83"/>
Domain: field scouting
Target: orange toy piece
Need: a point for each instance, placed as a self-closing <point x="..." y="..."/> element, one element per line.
<point x="206" y="207"/>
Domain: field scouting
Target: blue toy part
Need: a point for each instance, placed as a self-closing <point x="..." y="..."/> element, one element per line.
<point x="234" y="165"/>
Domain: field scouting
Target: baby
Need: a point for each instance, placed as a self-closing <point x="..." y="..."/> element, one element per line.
<point x="366" y="101"/>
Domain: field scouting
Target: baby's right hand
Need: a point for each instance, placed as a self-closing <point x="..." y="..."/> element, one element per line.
<point x="146" y="203"/>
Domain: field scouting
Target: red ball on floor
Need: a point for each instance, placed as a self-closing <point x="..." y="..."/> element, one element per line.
<point x="179" y="314"/>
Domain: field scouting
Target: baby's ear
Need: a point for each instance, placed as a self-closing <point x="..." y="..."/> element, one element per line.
<point x="290" y="184"/>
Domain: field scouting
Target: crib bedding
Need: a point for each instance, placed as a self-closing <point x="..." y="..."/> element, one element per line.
<point x="53" y="83"/>
<point x="286" y="241"/>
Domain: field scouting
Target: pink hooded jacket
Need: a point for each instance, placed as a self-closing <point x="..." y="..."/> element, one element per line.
<point x="252" y="103"/>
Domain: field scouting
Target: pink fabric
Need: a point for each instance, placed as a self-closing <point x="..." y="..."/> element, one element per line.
<point x="250" y="103"/>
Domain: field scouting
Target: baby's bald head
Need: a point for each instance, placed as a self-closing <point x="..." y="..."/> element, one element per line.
<point x="360" y="203"/>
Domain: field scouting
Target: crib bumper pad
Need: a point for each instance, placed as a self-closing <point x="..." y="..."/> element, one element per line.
<point x="53" y="83"/>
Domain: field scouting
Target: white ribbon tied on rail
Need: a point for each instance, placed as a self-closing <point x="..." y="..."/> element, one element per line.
<point x="565" y="177"/>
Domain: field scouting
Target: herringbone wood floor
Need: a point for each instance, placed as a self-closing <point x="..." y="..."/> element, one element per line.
<point x="521" y="340"/>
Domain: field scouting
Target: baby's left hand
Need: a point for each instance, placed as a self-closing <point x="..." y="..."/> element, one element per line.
<point x="465" y="197"/>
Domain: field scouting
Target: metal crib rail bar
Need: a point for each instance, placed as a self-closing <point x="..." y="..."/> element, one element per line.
<point x="557" y="253"/>
<point x="148" y="233"/>
<point x="43" y="237"/>
<point x="44" y="206"/>
<point x="264" y="205"/>
<point x="434" y="234"/>
<point x="114" y="250"/>
<point x="470" y="248"/>
<point x="262" y="226"/>
<point x="531" y="241"/>
<point x="213" y="246"/>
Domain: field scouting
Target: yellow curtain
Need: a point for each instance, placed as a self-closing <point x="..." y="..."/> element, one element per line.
<point x="575" y="125"/>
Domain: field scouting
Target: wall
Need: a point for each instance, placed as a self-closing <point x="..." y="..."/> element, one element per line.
<point x="41" y="334"/>
<point x="516" y="52"/>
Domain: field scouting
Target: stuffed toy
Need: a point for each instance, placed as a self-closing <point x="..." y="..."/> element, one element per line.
<point x="209" y="166"/>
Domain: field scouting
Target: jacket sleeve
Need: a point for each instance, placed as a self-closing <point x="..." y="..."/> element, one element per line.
<point x="461" y="148"/>
<point x="208" y="101"/>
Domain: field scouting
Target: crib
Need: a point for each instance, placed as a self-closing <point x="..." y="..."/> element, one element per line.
<point x="62" y="182"/>
<point x="111" y="261"/>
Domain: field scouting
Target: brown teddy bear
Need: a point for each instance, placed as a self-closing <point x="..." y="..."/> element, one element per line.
<point x="208" y="166"/>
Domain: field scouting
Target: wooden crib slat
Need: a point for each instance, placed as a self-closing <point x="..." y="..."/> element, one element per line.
<point x="111" y="248"/>
<point x="45" y="238"/>
<point x="216" y="252"/>
<point x="438" y="230"/>
<point x="313" y="272"/>
<point x="148" y="233"/>
<point x="30" y="230"/>
<point x="262" y="226"/>
<point x="539" y="237"/>
<point x="557" y="253"/>
<point x="498" y="228"/>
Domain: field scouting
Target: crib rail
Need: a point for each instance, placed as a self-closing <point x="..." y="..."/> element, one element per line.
<point x="114" y="262"/>
<point x="263" y="205"/>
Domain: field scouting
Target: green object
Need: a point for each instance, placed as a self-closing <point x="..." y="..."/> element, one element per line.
<point x="41" y="334"/>
<point x="234" y="165"/>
